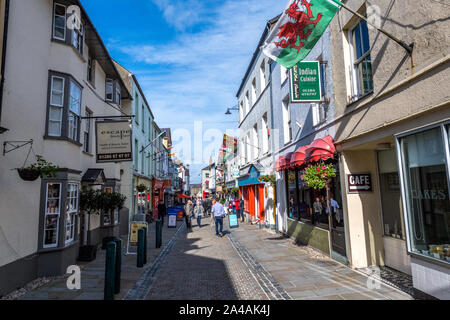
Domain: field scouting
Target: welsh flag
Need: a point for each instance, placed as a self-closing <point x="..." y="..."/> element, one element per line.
<point x="298" y="29"/>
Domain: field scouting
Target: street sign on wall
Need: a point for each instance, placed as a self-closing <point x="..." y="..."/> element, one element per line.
<point x="359" y="182"/>
<point x="113" y="141"/>
<point x="306" y="82"/>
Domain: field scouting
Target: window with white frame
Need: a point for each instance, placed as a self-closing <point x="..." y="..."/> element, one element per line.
<point x="242" y="157"/>
<point x="284" y="73"/>
<point x="78" y="38"/>
<point x="71" y="211"/>
<point x="262" y="75"/>
<point x="362" y="80"/>
<point x="87" y="132"/>
<point x="109" y="90"/>
<point x="118" y="97"/>
<point x="255" y="142"/>
<point x="254" y="91"/>
<point x="56" y="106"/>
<point x="247" y="103"/>
<point x="286" y="121"/>
<point x="241" y="111"/>
<point x="74" y="111"/>
<point x="91" y="71"/>
<point x="51" y="217"/>
<point x="59" y="22"/>
<point x="319" y="113"/>
<point x="249" y="150"/>
<point x="265" y="134"/>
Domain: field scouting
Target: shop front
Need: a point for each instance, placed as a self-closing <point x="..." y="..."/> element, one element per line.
<point x="159" y="187"/>
<point x="253" y="194"/>
<point x="309" y="217"/>
<point x="424" y="163"/>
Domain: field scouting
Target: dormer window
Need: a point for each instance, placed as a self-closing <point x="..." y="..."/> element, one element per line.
<point x="59" y="22"/>
<point x="113" y="91"/>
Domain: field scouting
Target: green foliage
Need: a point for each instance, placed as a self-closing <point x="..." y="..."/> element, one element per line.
<point x="94" y="202"/>
<point x="316" y="176"/>
<point x="268" y="178"/>
<point x="45" y="169"/>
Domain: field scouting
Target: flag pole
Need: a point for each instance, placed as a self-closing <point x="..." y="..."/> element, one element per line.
<point x="408" y="48"/>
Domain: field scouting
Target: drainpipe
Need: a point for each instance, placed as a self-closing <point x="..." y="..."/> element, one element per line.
<point x="2" y="71"/>
<point x="272" y="125"/>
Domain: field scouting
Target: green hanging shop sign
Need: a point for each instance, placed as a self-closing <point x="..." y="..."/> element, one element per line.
<point x="306" y="82"/>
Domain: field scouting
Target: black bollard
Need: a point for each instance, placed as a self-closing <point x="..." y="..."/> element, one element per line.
<point x="118" y="272"/>
<point x="145" y="245"/>
<point x="140" y="250"/>
<point x="158" y="229"/>
<point x="110" y="270"/>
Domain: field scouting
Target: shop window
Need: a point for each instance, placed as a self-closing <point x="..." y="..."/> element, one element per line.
<point x="427" y="193"/>
<point x="52" y="211"/>
<point x="390" y="194"/>
<point x="291" y="180"/>
<point x="71" y="212"/>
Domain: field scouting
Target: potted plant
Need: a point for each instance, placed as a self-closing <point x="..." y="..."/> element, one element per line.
<point x="89" y="204"/>
<point x="41" y="168"/>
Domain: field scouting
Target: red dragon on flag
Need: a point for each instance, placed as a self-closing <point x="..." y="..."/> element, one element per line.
<point x="291" y="30"/>
<point x="297" y="30"/>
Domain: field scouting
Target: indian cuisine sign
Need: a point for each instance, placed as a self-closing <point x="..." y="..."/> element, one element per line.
<point x="113" y="141"/>
<point x="306" y="82"/>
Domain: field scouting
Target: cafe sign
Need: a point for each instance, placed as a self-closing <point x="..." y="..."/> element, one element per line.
<point x="113" y="141"/>
<point x="359" y="182"/>
<point x="306" y="82"/>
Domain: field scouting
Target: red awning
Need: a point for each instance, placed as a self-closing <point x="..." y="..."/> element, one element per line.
<point x="278" y="166"/>
<point x="321" y="149"/>
<point x="298" y="157"/>
<point x="286" y="161"/>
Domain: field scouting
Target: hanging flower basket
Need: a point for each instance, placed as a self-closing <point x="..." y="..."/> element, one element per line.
<point x="28" y="174"/>
<point x="141" y="188"/>
<point x="316" y="176"/>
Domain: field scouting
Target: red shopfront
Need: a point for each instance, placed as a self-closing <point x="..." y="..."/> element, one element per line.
<point x="253" y="193"/>
<point x="158" y="191"/>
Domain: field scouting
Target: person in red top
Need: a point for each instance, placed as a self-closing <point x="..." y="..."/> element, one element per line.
<point x="236" y="206"/>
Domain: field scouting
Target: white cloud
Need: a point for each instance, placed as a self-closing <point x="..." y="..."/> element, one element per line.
<point x="199" y="73"/>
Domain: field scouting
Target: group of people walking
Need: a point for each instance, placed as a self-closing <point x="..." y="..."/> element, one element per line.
<point x="199" y="208"/>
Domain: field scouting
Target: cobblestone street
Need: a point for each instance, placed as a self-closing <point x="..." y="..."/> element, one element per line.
<point x="249" y="263"/>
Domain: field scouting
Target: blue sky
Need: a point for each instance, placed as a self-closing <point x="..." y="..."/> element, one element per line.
<point x="189" y="57"/>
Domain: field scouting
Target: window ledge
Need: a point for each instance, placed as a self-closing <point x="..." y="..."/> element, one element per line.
<point x="430" y="260"/>
<point x="88" y="154"/>
<point x="359" y="99"/>
<point x="59" y="248"/>
<point x="46" y="137"/>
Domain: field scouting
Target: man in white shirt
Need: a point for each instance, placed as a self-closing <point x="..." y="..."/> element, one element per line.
<point x="219" y="213"/>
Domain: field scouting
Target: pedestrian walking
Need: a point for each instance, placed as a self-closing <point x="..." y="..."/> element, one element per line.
<point x="188" y="211"/>
<point x="199" y="211"/>
<point x="241" y="209"/>
<point x="162" y="210"/>
<point x="219" y="213"/>
<point x="317" y="207"/>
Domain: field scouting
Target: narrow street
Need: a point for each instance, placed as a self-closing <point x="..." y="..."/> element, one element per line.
<point x="249" y="263"/>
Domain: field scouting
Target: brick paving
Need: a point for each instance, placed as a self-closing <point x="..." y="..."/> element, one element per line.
<point x="93" y="273"/>
<point x="305" y="273"/>
<point x="248" y="263"/>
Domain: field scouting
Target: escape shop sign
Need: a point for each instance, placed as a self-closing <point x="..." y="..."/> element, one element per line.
<point x="359" y="182"/>
<point x="305" y="82"/>
<point x="113" y="141"/>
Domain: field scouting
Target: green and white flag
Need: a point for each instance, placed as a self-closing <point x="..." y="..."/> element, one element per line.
<point x="298" y="29"/>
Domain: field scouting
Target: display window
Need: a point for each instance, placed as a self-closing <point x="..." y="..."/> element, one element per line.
<point x="71" y="211"/>
<point x="52" y="211"/>
<point x="425" y="175"/>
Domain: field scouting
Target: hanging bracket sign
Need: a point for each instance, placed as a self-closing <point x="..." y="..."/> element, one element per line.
<point x="306" y="82"/>
<point x="359" y="182"/>
<point x="113" y="141"/>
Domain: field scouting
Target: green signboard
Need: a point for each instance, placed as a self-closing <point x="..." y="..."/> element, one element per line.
<point x="305" y="82"/>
